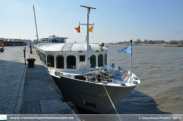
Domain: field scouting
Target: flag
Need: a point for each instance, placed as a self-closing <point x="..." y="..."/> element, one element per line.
<point x="127" y="49"/>
<point x="78" y="29"/>
<point x="91" y="29"/>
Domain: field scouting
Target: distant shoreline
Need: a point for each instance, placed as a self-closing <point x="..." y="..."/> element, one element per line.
<point x="166" y="45"/>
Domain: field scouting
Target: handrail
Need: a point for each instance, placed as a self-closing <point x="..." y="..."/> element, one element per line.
<point x="71" y="45"/>
<point x="63" y="46"/>
<point x="112" y="60"/>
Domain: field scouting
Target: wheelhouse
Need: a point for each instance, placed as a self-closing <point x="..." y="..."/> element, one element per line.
<point x="52" y="39"/>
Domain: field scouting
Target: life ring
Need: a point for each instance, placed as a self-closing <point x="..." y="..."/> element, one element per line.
<point x="126" y="75"/>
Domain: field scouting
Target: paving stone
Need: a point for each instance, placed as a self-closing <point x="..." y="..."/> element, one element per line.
<point x="8" y="110"/>
<point x="11" y="107"/>
<point x="8" y="105"/>
<point x="2" y="102"/>
<point x="55" y="106"/>
<point x="38" y="75"/>
<point x="43" y="89"/>
<point x="31" y="108"/>
<point x="11" y="73"/>
<point x="11" y="102"/>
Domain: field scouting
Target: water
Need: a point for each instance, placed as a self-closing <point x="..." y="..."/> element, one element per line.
<point x="160" y="70"/>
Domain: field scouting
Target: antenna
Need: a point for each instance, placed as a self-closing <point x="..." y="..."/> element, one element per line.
<point x="87" y="7"/>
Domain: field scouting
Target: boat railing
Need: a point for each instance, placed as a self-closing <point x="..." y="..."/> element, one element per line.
<point x="49" y="67"/>
<point x="112" y="64"/>
<point x="109" y="76"/>
<point x="126" y="75"/>
<point x="63" y="46"/>
<point x="67" y="46"/>
<point x="71" y="46"/>
<point x="42" y="58"/>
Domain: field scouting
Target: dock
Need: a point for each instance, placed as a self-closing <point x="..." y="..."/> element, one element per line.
<point x="12" y="79"/>
<point x="25" y="90"/>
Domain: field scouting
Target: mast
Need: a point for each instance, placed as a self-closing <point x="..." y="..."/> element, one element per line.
<point x="87" y="25"/>
<point x="36" y="25"/>
<point x="87" y="28"/>
<point x="131" y="62"/>
<point x="87" y="33"/>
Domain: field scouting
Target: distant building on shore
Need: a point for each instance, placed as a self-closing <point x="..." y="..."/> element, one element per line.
<point x="13" y="42"/>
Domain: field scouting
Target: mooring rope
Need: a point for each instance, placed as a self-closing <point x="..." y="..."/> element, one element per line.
<point x="112" y="103"/>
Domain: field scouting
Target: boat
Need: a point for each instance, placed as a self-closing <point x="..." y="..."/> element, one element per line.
<point x="82" y="73"/>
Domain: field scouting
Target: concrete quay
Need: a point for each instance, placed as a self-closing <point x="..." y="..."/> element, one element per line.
<point x="12" y="78"/>
<point x="25" y="90"/>
<point x="41" y="95"/>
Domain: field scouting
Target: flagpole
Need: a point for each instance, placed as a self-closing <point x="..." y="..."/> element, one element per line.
<point x="131" y="63"/>
<point x="36" y="25"/>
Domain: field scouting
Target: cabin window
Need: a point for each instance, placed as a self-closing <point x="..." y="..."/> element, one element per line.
<point x="106" y="58"/>
<point x="92" y="61"/>
<point x="71" y="62"/>
<point x="50" y="61"/>
<point x="60" y="61"/>
<point x="100" y="60"/>
<point x="82" y="58"/>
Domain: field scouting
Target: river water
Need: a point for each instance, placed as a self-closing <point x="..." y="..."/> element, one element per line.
<point x="160" y="70"/>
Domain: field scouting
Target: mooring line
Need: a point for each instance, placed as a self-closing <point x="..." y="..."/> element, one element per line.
<point x="112" y="103"/>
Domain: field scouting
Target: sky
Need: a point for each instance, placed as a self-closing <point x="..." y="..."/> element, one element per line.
<point x="114" y="20"/>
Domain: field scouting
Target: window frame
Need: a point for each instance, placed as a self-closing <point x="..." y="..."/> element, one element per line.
<point x="70" y="64"/>
<point x="80" y="58"/>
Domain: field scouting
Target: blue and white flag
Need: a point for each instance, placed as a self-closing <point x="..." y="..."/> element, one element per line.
<point x="127" y="49"/>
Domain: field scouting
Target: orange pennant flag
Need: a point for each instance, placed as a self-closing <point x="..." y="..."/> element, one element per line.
<point x="91" y="29"/>
<point x="78" y="29"/>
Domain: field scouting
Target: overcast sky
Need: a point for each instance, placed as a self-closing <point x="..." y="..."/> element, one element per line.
<point x="115" y="20"/>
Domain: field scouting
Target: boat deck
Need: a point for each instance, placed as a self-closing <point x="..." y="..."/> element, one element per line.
<point x="116" y="80"/>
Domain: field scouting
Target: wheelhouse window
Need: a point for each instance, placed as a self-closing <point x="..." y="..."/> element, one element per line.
<point x="82" y="58"/>
<point x="100" y="60"/>
<point x="106" y="58"/>
<point x="50" y="61"/>
<point x="92" y="61"/>
<point x="60" y="61"/>
<point x="71" y="62"/>
<point x="57" y="40"/>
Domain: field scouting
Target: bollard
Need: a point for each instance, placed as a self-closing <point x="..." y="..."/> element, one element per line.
<point x="31" y="62"/>
<point x="30" y="50"/>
